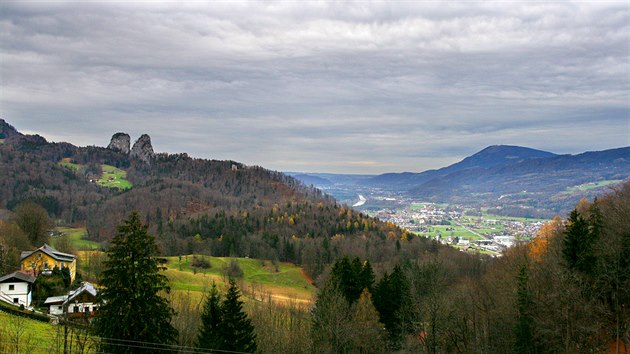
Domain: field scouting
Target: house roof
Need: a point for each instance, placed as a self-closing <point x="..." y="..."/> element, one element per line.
<point x="59" y="256"/>
<point x="55" y="300"/>
<point x="85" y="287"/>
<point x="72" y="294"/>
<point x="17" y="276"/>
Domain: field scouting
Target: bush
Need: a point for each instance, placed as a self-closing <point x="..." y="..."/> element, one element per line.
<point x="233" y="270"/>
<point x="201" y="262"/>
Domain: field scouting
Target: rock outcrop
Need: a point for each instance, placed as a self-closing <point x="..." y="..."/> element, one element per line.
<point x="142" y="149"/>
<point x="120" y="142"/>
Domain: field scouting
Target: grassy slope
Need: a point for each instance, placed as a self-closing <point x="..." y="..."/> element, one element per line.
<point x="258" y="277"/>
<point x="592" y="185"/>
<point x="37" y="337"/>
<point x="75" y="235"/>
<point x="112" y="177"/>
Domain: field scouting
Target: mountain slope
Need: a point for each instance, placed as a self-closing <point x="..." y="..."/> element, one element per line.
<point x="496" y="155"/>
<point x="219" y="208"/>
<point x="537" y="182"/>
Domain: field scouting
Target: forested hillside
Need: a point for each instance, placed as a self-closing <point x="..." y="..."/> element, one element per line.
<point x="568" y="291"/>
<point x="193" y="205"/>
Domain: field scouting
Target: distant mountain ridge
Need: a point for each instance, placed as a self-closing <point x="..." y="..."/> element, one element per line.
<point x="509" y="179"/>
<point x="495" y="155"/>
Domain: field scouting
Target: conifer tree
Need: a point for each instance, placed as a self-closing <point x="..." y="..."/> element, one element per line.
<point x="133" y="317"/>
<point x="236" y="329"/>
<point x="209" y="333"/>
<point x="579" y="238"/>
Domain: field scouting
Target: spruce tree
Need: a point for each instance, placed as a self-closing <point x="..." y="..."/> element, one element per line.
<point x="236" y="329"/>
<point x="209" y="333"/>
<point x="133" y="317"/>
<point x="579" y="238"/>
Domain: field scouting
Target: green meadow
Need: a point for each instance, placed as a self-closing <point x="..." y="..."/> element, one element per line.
<point x="282" y="280"/>
<point x="76" y="237"/>
<point x="111" y="176"/>
<point x="591" y="185"/>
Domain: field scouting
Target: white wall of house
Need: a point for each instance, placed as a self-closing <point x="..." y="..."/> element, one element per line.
<point x="56" y="309"/>
<point x="18" y="292"/>
<point x="80" y="307"/>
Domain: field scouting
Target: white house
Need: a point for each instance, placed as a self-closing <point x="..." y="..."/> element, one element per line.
<point x="81" y="301"/>
<point x="15" y="288"/>
<point x="55" y="304"/>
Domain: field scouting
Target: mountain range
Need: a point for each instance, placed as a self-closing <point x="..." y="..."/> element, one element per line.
<point x="510" y="177"/>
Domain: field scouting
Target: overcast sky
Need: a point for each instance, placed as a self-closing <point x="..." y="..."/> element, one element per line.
<point x="349" y="87"/>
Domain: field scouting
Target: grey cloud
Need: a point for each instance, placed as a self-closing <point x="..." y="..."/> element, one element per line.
<point x="327" y="86"/>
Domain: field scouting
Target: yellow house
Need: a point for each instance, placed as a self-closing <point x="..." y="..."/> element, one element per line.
<point x="45" y="258"/>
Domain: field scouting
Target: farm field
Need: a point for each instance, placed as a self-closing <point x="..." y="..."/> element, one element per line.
<point x="76" y="236"/>
<point x="506" y="218"/>
<point x="448" y="230"/>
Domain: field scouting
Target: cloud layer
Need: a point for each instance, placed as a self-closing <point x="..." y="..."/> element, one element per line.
<point x="355" y="87"/>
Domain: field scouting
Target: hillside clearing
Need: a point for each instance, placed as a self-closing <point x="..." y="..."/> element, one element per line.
<point x="259" y="277"/>
<point x="76" y="237"/>
<point x="111" y="177"/>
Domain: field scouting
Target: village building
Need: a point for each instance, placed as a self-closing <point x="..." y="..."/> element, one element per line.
<point x="16" y="289"/>
<point x="44" y="259"/>
<point x="78" y="302"/>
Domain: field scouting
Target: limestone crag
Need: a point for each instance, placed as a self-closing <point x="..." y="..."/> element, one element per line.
<point x="142" y="149"/>
<point x="120" y="142"/>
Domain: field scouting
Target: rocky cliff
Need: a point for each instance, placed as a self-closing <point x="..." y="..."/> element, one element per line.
<point x="120" y="142"/>
<point x="142" y="149"/>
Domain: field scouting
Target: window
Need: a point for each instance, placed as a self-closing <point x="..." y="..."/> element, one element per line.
<point x="75" y="308"/>
<point x="16" y="300"/>
<point x="60" y="307"/>
<point x="11" y="287"/>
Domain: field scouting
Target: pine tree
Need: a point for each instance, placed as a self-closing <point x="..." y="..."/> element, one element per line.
<point x="579" y="238"/>
<point x="236" y="329"/>
<point x="209" y="333"/>
<point x="390" y="295"/>
<point x="133" y="316"/>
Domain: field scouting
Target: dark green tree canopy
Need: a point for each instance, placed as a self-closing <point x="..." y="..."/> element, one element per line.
<point x="132" y="307"/>
<point x="209" y="332"/>
<point x="224" y="324"/>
